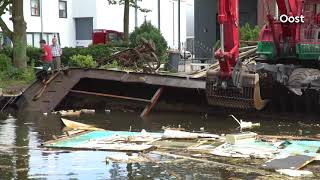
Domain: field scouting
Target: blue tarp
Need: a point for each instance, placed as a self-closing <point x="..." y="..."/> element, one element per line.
<point x="77" y="141"/>
<point x="308" y="148"/>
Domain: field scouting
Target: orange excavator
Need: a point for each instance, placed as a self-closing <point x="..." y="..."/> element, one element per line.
<point x="288" y="55"/>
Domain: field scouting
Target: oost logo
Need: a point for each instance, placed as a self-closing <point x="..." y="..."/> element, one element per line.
<point x="291" y="19"/>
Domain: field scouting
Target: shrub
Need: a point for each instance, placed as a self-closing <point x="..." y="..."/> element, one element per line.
<point x="67" y="53"/>
<point x="7" y="51"/>
<point x="249" y="33"/>
<point x="33" y="53"/>
<point x="148" y="31"/>
<point x="113" y="64"/>
<point x="100" y="53"/>
<point x="83" y="61"/>
<point x="5" y="62"/>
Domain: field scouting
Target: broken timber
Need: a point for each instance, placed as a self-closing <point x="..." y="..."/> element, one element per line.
<point x="60" y="85"/>
<point x="110" y="95"/>
<point x="153" y="102"/>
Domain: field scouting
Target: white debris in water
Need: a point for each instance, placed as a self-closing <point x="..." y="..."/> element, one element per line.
<point x="88" y="111"/>
<point x="294" y="173"/>
<point x="244" y="124"/>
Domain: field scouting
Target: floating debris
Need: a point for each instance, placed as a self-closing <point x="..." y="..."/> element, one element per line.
<point x="80" y="126"/>
<point x="88" y="111"/>
<point x="291" y="162"/>
<point x="240" y="137"/>
<point x="125" y="158"/>
<point x="177" y="134"/>
<point x="244" y="124"/>
<point x="295" y="173"/>
<point x="70" y="113"/>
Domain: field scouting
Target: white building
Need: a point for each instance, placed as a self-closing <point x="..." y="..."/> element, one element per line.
<point x="73" y="21"/>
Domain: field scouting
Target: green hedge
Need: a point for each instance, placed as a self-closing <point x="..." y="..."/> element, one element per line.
<point x="5" y="62"/>
<point x="33" y="53"/>
<point x="100" y="53"/>
<point x="83" y="61"/>
<point x="8" y="72"/>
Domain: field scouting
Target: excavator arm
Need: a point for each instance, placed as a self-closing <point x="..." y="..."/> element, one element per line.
<point x="237" y="86"/>
<point x="228" y="18"/>
<point x="232" y="86"/>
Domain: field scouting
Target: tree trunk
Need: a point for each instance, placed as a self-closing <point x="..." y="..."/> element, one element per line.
<point x="126" y="20"/>
<point x="19" y="39"/>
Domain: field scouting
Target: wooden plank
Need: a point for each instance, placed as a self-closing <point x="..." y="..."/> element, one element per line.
<point x="45" y="85"/>
<point x="271" y="137"/>
<point x="79" y="126"/>
<point x="154" y="100"/>
<point x="291" y="162"/>
<point x="110" y="95"/>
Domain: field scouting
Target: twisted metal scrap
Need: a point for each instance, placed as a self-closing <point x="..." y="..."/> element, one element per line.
<point x="141" y="57"/>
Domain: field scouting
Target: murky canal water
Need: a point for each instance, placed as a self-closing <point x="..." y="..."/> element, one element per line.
<point x="22" y="157"/>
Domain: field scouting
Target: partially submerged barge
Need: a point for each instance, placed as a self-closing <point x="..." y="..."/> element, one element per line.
<point x="100" y="89"/>
<point x="109" y="84"/>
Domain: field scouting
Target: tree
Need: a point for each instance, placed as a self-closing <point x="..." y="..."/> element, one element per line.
<point x="18" y="35"/>
<point x="150" y="32"/>
<point x="126" y="14"/>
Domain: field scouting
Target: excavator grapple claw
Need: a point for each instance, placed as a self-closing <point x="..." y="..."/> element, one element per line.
<point x="244" y="96"/>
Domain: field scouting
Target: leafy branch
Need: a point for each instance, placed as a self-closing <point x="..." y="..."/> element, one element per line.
<point x="4" y="7"/>
<point x="131" y="4"/>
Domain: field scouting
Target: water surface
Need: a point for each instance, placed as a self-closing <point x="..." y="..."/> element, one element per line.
<point x="22" y="157"/>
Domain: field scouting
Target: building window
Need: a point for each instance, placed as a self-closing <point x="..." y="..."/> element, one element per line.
<point x="35" y="7"/>
<point x="62" y="9"/>
<point x="33" y="38"/>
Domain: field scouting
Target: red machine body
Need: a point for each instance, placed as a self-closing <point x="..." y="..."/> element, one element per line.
<point x="103" y="36"/>
<point x="287" y="53"/>
<point x="229" y="36"/>
<point x="275" y="31"/>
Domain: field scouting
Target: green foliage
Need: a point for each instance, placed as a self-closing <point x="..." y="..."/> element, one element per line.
<point x="83" y="61"/>
<point x="148" y="31"/>
<point x="100" y="53"/>
<point x="131" y="4"/>
<point x="249" y="33"/>
<point x="5" y="62"/>
<point x="7" y="51"/>
<point x="20" y="74"/>
<point x="33" y="53"/>
<point x="113" y="64"/>
<point x="9" y="72"/>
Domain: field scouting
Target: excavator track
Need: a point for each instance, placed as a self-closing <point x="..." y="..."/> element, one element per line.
<point x="247" y="97"/>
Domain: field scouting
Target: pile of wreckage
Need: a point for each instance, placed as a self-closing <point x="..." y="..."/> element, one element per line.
<point x="285" y="155"/>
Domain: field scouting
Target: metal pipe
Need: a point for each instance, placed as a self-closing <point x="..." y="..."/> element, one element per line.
<point x="41" y="19"/>
<point x="222" y="37"/>
<point x="159" y="14"/>
<point x="136" y="13"/>
<point x="179" y="28"/>
<point x="173" y="24"/>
